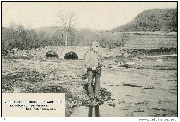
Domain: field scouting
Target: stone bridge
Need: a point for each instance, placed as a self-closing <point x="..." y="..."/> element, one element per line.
<point x="60" y="50"/>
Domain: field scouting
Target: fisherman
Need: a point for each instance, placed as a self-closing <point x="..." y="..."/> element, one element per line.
<point x="93" y="63"/>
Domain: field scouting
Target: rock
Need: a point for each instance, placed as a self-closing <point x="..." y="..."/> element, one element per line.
<point x="111" y="103"/>
<point x="159" y="60"/>
<point x="140" y="65"/>
<point x="139" y="110"/>
<point x="131" y="85"/>
<point x="113" y="99"/>
<point x="120" y="64"/>
<point x="150" y="87"/>
<point x="129" y="64"/>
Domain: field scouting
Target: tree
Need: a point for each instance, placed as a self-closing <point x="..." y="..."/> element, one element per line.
<point x="67" y="21"/>
<point x="16" y="36"/>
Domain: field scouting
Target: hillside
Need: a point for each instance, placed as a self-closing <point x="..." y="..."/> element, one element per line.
<point x="152" y="20"/>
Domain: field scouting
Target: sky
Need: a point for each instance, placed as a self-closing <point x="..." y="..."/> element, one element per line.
<point x="92" y="15"/>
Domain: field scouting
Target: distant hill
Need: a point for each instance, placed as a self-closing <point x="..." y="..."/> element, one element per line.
<point x="48" y="30"/>
<point x="53" y="29"/>
<point x="132" y="35"/>
<point x="152" y="20"/>
<point x="78" y="36"/>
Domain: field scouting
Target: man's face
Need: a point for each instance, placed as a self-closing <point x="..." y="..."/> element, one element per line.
<point x="95" y="47"/>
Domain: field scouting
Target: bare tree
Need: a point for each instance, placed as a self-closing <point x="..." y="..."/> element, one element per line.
<point x="67" y="21"/>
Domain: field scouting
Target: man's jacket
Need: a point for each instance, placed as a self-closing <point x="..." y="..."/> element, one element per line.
<point x="93" y="59"/>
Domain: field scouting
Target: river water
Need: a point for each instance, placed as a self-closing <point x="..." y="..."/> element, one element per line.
<point x="136" y="93"/>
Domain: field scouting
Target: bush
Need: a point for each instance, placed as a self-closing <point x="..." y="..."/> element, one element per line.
<point x="4" y="52"/>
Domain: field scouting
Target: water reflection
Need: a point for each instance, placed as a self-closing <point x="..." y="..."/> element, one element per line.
<point x="96" y="108"/>
<point x="97" y="111"/>
<point x="90" y="111"/>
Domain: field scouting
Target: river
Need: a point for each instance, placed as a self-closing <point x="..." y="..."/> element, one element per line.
<point x="136" y="93"/>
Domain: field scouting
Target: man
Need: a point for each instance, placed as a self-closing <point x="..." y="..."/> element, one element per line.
<point x="93" y="63"/>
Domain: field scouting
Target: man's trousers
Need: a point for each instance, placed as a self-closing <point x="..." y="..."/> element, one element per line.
<point x="94" y="86"/>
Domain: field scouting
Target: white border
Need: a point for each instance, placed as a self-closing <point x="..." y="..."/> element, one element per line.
<point x="87" y="119"/>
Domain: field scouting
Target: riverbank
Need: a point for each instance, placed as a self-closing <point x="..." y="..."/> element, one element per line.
<point x="50" y="76"/>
